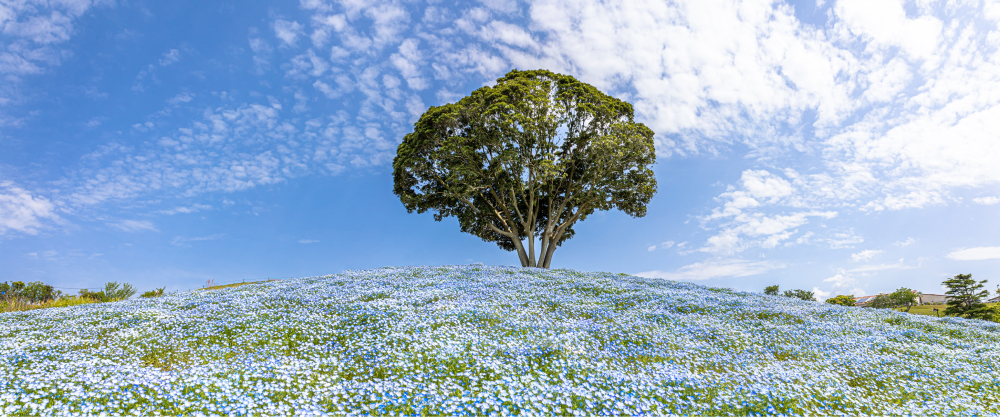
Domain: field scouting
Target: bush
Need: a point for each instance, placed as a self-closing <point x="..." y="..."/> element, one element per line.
<point x="843" y="300"/>
<point x="111" y="292"/>
<point x="154" y="293"/>
<point x="800" y="294"/>
<point x="771" y="290"/>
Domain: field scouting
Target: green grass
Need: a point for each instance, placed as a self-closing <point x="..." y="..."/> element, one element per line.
<point x="928" y="309"/>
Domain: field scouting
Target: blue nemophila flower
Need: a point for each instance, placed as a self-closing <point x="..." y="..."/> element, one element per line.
<point x="475" y="340"/>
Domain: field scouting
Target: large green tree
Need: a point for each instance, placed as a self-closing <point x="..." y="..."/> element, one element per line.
<point x="965" y="298"/>
<point x="903" y="297"/>
<point x="843" y="300"/>
<point x="527" y="158"/>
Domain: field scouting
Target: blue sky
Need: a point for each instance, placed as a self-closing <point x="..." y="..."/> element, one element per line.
<point x="846" y="147"/>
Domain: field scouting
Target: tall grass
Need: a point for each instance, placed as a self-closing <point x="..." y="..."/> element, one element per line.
<point x="21" y="305"/>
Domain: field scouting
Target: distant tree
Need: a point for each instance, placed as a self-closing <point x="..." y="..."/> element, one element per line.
<point x="904" y="297"/>
<point x="771" y="290"/>
<point x="114" y="293"/>
<point x="527" y="158"/>
<point x="800" y="294"/>
<point x="843" y="300"/>
<point x="18" y="290"/>
<point x="36" y="292"/>
<point x="111" y="292"/>
<point x="966" y="298"/>
<point x="881" y="301"/>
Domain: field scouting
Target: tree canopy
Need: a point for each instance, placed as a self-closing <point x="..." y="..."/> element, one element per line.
<point x="843" y="300"/>
<point x="903" y="297"/>
<point x="527" y="158"/>
<point x="800" y="294"/>
<point x="966" y="298"/>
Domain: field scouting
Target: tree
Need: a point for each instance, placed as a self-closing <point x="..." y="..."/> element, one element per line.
<point x="966" y="298"/>
<point x="527" y="158"/>
<point x="904" y="297"/>
<point x="881" y="301"/>
<point x="800" y="294"/>
<point x="843" y="300"/>
<point x="771" y="290"/>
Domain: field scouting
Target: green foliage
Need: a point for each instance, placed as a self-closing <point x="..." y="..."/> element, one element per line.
<point x="771" y="290"/>
<point x="966" y="298"/>
<point x="901" y="298"/>
<point x="31" y="293"/>
<point x="111" y="292"/>
<point x="881" y="301"/>
<point x="843" y="300"/>
<point x="905" y="297"/>
<point x="153" y="293"/>
<point x="800" y="294"/>
<point x="526" y="158"/>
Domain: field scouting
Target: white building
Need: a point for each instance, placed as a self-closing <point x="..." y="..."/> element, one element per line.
<point x="932" y="299"/>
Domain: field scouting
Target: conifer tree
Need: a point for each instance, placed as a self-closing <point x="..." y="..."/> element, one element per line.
<point x="966" y="298"/>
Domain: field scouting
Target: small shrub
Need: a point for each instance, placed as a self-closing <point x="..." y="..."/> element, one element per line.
<point x="154" y="293"/>
<point x="771" y="290"/>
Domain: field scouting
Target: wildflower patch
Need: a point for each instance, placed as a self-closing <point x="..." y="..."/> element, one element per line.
<point x="491" y="340"/>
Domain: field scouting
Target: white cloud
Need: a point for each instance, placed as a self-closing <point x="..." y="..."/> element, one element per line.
<point x="185" y="210"/>
<point x="182" y="241"/>
<point x="33" y="31"/>
<point x="408" y="61"/>
<point x="975" y="254"/>
<point x="820" y="294"/>
<point x="307" y="241"/>
<point x="842" y="240"/>
<point x="881" y="267"/>
<point x="287" y="31"/>
<point x="22" y="212"/>
<point x="184" y="97"/>
<point x="768" y="231"/>
<point x="907" y="242"/>
<point x="986" y="201"/>
<point x="715" y="269"/>
<point x="134" y="225"/>
<point x="665" y="245"/>
<point x="170" y="57"/>
<point x="841" y="280"/>
<point x="228" y="149"/>
<point x="865" y="255"/>
<point x="886" y="23"/>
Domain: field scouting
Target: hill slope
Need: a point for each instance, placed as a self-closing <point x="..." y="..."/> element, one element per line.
<point x="476" y="340"/>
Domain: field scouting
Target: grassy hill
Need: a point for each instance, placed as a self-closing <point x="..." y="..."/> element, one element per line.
<point x="475" y="340"/>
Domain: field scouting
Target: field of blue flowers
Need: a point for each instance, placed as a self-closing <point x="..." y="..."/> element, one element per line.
<point x="491" y="340"/>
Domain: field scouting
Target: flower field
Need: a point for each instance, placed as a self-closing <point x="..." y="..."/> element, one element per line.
<point x="491" y="340"/>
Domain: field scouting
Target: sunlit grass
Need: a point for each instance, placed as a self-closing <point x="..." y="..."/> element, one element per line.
<point x="219" y="287"/>
<point x="478" y="340"/>
<point x="18" y="305"/>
